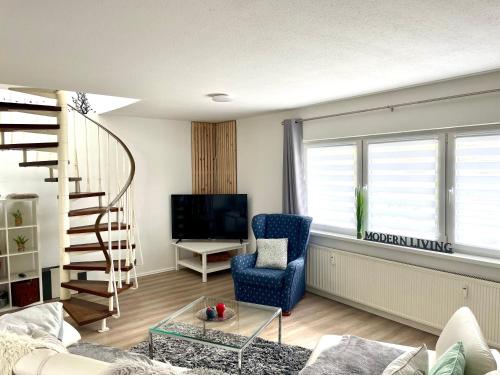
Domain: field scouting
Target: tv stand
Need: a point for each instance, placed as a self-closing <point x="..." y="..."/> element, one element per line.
<point x="204" y="248"/>
<point x="179" y="240"/>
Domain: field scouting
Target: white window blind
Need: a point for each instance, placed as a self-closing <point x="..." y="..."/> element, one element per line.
<point x="477" y="191"/>
<point x="331" y="181"/>
<point x="403" y="188"/>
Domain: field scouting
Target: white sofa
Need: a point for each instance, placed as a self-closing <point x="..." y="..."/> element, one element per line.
<point x="328" y="341"/>
<point x="49" y="362"/>
<point x="48" y="318"/>
<point x="462" y="326"/>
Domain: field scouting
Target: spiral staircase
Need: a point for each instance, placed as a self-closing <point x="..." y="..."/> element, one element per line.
<point x="97" y="226"/>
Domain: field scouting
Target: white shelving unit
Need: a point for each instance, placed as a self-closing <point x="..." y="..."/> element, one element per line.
<point x="15" y="261"/>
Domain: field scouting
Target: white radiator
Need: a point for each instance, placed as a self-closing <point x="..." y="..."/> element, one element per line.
<point x="422" y="295"/>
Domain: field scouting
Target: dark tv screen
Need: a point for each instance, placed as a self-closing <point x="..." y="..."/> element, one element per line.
<point x="209" y="216"/>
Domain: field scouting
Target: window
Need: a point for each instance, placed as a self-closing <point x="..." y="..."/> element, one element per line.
<point x="331" y="181"/>
<point x="436" y="185"/>
<point x="403" y="188"/>
<point x="477" y="191"/>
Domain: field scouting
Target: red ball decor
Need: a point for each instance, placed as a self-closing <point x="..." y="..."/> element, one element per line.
<point x="220" y="309"/>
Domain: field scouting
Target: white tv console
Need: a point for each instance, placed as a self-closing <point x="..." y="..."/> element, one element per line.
<point x="204" y="248"/>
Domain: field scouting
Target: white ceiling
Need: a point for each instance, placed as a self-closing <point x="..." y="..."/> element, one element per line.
<point x="268" y="54"/>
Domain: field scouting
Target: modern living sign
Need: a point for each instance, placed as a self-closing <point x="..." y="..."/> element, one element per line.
<point x="417" y="243"/>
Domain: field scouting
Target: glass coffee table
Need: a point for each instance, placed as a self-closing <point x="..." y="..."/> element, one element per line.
<point x="233" y="334"/>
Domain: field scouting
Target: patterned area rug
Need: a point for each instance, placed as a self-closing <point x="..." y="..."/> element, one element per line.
<point x="262" y="357"/>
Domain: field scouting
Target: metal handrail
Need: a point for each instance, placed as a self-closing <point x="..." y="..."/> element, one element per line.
<point x="124" y="189"/>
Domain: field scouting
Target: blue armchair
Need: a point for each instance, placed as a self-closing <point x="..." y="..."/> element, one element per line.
<point x="280" y="288"/>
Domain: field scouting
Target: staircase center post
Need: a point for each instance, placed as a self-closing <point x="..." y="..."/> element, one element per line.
<point x="63" y="190"/>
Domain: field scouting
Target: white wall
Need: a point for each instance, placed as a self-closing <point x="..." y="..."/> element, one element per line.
<point x="259" y="155"/>
<point x="162" y="152"/>
<point x="465" y="111"/>
<point x="260" y="138"/>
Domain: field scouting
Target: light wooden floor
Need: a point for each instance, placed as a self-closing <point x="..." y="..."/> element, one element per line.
<point x="160" y="295"/>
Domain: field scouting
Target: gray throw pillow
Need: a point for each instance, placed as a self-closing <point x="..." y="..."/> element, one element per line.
<point x="414" y="362"/>
<point x="272" y="253"/>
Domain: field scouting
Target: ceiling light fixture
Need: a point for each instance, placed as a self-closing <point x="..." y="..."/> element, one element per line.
<point x="220" y="97"/>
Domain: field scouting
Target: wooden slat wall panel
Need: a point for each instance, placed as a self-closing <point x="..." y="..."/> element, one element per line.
<point x="203" y="157"/>
<point x="226" y="157"/>
<point x="213" y="157"/>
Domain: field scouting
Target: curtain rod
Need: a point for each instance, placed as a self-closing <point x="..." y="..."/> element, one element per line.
<point x="392" y="106"/>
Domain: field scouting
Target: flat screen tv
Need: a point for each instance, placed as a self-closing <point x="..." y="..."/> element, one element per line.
<point x="209" y="216"/>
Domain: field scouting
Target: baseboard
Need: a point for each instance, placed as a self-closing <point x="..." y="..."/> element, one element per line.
<point x="371" y="310"/>
<point x="154" y="272"/>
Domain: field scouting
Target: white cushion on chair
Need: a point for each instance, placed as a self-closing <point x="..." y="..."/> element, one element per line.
<point x="272" y="253"/>
<point x="464" y="327"/>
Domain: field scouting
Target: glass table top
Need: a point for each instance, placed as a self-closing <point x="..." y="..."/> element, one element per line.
<point x="234" y="333"/>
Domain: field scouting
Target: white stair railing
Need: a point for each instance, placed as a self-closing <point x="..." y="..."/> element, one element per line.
<point x="115" y="171"/>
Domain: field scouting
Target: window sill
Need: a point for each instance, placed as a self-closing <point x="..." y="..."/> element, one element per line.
<point x="458" y="257"/>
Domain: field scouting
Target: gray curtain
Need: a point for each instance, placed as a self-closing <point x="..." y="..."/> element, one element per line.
<point x="294" y="186"/>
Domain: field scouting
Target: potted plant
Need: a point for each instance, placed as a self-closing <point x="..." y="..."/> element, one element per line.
<point x="360" y="194"/>
<point x="21" y="243"/>
<point x="18" y="218"/>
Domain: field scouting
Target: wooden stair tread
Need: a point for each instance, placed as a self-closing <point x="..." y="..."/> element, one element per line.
<point x="95" y="266"/>
<point x="55" y="179"/>
<point x="27" y="127"/>
<point x="86" y="312"/>
<point x="27" y="146"/>
<point x="91" y="211"/>
<point x="8" y="106"/>
<point x="96" y="246"/>
<point x="43" y="163"/>
<point x="94" y="287"/>
<point x="86" y="194"/>
<point x="91" y="228"/>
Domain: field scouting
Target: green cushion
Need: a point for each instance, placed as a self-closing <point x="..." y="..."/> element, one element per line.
<point x="452" y="362"/>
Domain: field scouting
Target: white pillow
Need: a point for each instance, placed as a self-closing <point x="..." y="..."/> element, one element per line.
<point x="46" y="317"/>
<point x="70" y="335"/>
<point x="464" y="327"/>
<point x="272" y="253"/>
<point x="414" y="362"/>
